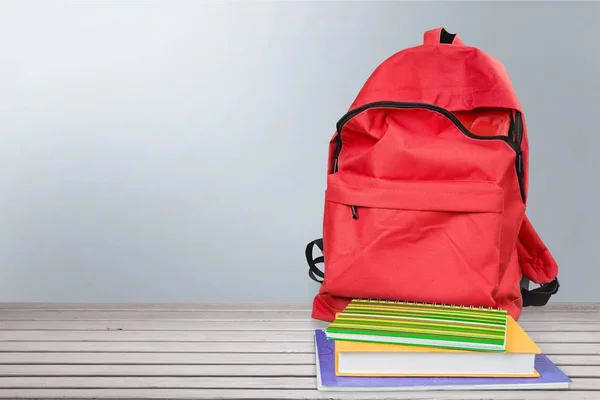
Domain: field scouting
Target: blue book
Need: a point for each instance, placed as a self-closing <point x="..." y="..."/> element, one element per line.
<point x="551" y="377"/>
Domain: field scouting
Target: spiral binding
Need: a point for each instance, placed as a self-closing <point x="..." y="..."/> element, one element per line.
<point x="417" y="303"/>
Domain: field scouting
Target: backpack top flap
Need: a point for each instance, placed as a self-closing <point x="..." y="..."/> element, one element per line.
<point x="443" y="72"/>
<point x="446" y="73"/>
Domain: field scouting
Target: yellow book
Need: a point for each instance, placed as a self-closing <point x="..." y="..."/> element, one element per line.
<point x="378" y="359"/>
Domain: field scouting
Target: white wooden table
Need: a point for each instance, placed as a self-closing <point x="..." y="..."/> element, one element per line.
<point x="232" y="351"/>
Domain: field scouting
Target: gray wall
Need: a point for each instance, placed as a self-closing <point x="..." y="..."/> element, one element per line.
<point x="176" y="151"/>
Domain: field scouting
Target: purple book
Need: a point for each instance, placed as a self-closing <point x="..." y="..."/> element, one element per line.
<point x="551" y="377"/>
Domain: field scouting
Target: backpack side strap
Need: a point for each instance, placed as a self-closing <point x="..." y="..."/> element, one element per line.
<point x="537" y="265"/>
<point x="313" y="271"/>
<point x="539" y="296"/>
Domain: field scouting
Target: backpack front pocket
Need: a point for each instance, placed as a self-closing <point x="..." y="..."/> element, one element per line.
<point x="430" y="241"/>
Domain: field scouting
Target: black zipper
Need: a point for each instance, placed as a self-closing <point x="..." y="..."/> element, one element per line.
<point x="511" y="127"/>
<point x="513" y="139"/>
<point x="518" y="138"/>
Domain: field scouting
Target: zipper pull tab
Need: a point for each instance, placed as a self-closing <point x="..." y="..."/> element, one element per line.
<point x="354" y="214"/>
<point x="519" y="163"/>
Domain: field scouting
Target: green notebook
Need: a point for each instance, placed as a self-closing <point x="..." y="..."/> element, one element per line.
<point x="445" y="326"/>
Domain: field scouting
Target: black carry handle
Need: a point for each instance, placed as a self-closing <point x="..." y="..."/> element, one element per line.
<point x="313" y="271"/>
<point x="446" y="37"/>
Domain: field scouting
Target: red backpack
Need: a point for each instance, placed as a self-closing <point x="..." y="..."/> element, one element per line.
<point x="427" y="187"/>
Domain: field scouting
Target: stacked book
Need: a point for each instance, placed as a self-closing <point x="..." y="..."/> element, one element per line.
<point x="399" y="346"/>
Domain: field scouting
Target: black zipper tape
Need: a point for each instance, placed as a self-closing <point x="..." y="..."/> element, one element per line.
<point x="518" y="138"/>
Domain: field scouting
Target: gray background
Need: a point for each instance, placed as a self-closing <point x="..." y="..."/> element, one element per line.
<point x="176" y="151"/>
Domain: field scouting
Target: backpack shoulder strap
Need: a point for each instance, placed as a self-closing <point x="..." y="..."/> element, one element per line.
<point x="313" y="271"/>
<point x="537" y="265"/>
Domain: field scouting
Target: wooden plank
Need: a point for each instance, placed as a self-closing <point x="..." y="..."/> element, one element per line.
<point x="204" y="370"/>
<point x="165" y="347"/>
<point x="156" y="358"/>
<point x="164" y="325"/>
<point x="308" y="394"/>
<point x="224" y="347"/>
<point x="111" y="306"/>
<point x="132" y="306"/>
<point x="159" y="336"/>
<point x="207" y="358"/>
<point x="204" y="325"/>
<point x="294" y="370"/>
<point x="168" y="325"/>
<point x="581" y="371"/>
<point x="564" y="307"/>
<point x="54" y="315"/>
<point x="562" y="337"/>
<point x="557" y="317"/>
<point x="570" y="348"/>
<point x="231" y="336"/>
<point x="160" y="382"/>
<point x="260" y="315"/>
<point x="578" y="359"/>
<point x="195" y="382"/>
